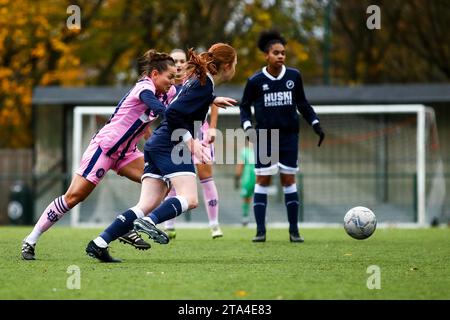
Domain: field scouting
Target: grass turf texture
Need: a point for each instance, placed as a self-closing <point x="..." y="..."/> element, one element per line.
<point x="329" y="265"/>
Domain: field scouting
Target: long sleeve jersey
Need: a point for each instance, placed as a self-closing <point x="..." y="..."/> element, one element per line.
<point x="276" y="101"/>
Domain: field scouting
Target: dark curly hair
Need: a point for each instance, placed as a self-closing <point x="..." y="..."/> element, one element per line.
<point x="268" y="38"/>
<point x="153" y="60"/>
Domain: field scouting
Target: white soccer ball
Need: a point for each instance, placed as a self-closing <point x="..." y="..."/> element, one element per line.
<point x="360" y="222"/>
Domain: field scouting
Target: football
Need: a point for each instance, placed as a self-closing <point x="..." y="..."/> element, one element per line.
<point x="360" y="222"/>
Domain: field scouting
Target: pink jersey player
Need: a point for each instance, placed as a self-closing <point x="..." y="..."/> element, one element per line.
<point x="114" y="146"/>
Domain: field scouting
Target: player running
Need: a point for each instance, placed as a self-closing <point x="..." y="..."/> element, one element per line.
<point x="204" y="170"/>
<point x="114" y="146"/>
<point x="168" y="153"/>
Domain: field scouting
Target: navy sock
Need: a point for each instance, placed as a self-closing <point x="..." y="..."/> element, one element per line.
<point x="259" y="208"/>
<point x="292" y="203"/>
<point x="167" y="210"/>
<point x="121" y="225"/>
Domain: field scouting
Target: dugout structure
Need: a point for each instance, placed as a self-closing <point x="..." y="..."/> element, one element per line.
<point x="373" y="156"/>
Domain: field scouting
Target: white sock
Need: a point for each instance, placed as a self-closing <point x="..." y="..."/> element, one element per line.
<point x="149" y="220"/>
<point x="33" y="237"/>
<point x="214" y="223"/>
<point x="100" y="242"/>
<point x="170" y="224"/>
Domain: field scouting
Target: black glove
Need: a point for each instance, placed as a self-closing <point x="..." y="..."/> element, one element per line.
<point x="318" y="130"/>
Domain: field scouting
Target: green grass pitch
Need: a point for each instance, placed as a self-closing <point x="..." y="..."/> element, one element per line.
<point x="413" y="264"/>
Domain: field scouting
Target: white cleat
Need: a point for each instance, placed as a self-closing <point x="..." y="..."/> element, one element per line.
<point x="216" y="232"/>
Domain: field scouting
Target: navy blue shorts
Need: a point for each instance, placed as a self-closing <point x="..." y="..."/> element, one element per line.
<point x="165" y="164"/>
<point x="284" y="157"/>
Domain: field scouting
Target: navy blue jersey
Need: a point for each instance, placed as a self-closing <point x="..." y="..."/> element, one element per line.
<point x="190" y="105"/>
<point x="276" y="101"/>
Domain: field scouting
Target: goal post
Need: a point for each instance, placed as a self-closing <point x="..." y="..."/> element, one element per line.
<point x="395" y="134"/>
<point x="77" y="144"/>
<point x="417" y="109"/>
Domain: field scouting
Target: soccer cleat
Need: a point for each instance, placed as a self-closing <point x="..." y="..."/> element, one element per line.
<point x="159" y="236"/>
<point x="101" y="254"/>
<point x="295" y="237"/>
<point x="28" y="250"/>
<point x="260" y="237"/>
<point x="216" y="232"/>
<point x="134" y="239"/>
<point x="171" y="233"/>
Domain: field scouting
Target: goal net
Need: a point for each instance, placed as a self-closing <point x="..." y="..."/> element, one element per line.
<point x="385" y="157"/>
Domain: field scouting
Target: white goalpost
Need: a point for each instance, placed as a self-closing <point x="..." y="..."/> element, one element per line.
<point x="319" y="164"/>
<point x="77" y="147"/>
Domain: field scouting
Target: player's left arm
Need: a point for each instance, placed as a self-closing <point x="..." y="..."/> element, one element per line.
<point x="307" y="111"/>
<point x="152" y="102"/>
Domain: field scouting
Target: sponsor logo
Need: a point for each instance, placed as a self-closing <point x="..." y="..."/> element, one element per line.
<point x="281" y="98"/>
<point x="265" y="87"/>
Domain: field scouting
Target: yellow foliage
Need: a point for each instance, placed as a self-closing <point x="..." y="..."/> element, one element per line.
<point x="39" y="51"/>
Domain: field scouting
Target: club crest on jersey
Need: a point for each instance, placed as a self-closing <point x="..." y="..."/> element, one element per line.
<point x="289" y="84"/>
<point x="265" y="87"/>
<point x="100" y="173"/>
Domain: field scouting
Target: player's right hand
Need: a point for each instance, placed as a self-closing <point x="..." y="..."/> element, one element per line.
<point x="224" y="102"/>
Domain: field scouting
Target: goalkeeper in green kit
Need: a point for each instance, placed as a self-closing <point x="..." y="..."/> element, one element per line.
<point x="245" y="179"/>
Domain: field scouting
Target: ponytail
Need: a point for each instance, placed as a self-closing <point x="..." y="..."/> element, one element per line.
<point x="210" y="61"/>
